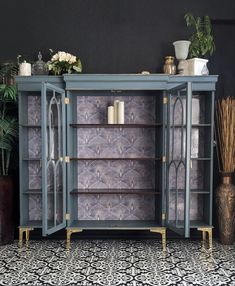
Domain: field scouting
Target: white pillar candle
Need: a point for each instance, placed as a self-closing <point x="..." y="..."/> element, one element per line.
<point x="110" y="115"/>
<point x="116" y="111"/>
<point x="25" y="69"/>
<point x="121" y="112"/>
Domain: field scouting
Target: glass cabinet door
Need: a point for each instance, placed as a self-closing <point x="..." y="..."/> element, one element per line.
<point x="178" y="163"/>
<point x="53" y="153"/>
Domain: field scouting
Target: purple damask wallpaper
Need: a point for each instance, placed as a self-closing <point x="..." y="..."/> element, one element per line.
<point x="119" y="143"/>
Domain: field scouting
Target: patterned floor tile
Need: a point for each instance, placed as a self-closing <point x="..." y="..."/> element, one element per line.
<point x="117" y="263"/>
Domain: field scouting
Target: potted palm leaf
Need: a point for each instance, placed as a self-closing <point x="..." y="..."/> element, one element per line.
<point x="225" y="192"/>
<point x="8" y="136"/>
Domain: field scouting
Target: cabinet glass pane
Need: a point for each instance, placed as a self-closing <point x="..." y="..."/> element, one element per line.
<point x="53" y="171"/>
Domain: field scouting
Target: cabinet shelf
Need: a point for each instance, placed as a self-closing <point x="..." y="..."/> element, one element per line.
<point x="105" y="125"/>
<point x="199" y="125"/>
<point x="115" y="159"/>
<point x="195" y="191"/>
<point x="39" y="192"/>
<point x="30" y="125"/>
<point x="114" y="191"/>
<point x="32" y="159"/>
<point x="201" y="159"/>
<point x="114" y="224"/>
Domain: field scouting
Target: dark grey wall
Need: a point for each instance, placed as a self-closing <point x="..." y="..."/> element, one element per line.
<point x="110" y="36"/>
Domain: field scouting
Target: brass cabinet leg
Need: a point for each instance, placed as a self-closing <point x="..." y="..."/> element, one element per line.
<point x="204" y="231"/>
<point x="210" y="238"/>
<point x="21" y="234"/>
<point x="162" y="231"/>
<point x="203" y="235"/>
<point x="70" y="231"/>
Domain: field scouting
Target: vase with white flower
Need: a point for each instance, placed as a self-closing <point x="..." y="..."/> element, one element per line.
<point x="62" y="62"/>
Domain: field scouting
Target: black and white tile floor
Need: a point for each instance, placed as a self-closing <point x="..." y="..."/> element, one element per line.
<point x="115" y="262"/>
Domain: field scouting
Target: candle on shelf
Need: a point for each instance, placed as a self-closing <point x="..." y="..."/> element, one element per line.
<point x="110" y="115"/>
<point x="25" y="69"/>
<point x="121" y="112"/>
<point x="116" y="111"/>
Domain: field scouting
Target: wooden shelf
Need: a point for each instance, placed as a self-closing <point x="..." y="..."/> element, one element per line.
<point x="30" y="125"/>
<point x="193" y="125"/>
<point x="114" y="224"/>
<point x="116" y="159"/>
<point x="32" y="159"/>
<point x="201" y="159"/>
<point x="105" y="125"/>
<point x="194" y="191"/>
<point x="39" y="192"/>
<point x="114" y="191"/>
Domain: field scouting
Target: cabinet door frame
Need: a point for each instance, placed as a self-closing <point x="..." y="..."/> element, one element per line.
<point x="185" y="228"/>
<point x="46" y="230"/>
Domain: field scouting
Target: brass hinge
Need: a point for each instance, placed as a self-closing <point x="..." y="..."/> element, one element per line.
<point x="165" y="100"/>
<point x="163" y="216"/>
<point x="67" y="159"/>
<point x="163" y="158"/>
<point x="66" y="100"/>
<point x="67" y="216"/>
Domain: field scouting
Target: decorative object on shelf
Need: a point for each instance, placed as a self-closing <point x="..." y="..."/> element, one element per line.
<point x="145" y="72"/>
<point x="116" y="113"/>
<point x="202" y="44"/>
<point x="115" y="104"/>
<point x="25" y="69"/>
<point x="110" y="115"/>
<point x="121" y="119"/>
<point x="225" y="192"/>
<point x="8" y="135"/>
<point x="169" y="66"/>
<point x="181" y="54"/>
<point x="40" y="67"/>
<point x="62" y="62"/>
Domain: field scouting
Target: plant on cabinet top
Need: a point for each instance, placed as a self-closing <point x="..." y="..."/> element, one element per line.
<point x="202" y="40"/>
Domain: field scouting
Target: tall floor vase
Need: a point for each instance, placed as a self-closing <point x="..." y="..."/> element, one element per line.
<point x="225" y="200"/>
<point x="6" y="210"/>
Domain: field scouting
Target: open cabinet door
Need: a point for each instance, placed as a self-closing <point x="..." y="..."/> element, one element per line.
<point x="178" y="159"/>
<point x="53" y="153"/>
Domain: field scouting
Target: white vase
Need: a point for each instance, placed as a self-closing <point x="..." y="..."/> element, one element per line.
<point x="181" y="54"/>
<point x="181" y="49"/>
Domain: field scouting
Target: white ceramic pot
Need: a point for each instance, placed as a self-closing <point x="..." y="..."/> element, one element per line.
<point x="181" y="49"/>
<point x="197" y="66"/>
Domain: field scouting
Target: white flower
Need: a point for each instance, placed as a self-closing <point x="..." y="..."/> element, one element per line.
<point x="73" y="59"/>
<point x="55" y="57"/>
<point x="68" y="56"/>
<point x="62" y="56"/>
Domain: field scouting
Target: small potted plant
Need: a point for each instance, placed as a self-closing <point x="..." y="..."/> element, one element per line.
<point x="8" y="136"/>
<point x="202" y="44"/>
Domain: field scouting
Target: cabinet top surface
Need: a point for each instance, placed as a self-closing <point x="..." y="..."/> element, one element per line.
<point x="116" y="81"/>
<point x="107" y="77"/>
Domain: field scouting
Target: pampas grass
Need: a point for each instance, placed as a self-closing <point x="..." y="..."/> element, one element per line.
<point x="225" y="133"/>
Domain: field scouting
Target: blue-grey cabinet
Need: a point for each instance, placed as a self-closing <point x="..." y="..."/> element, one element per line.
<point x="77" y="172"/>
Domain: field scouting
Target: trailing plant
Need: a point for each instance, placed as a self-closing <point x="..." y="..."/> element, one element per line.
<point x="225" y="134"/>
<point x="8" y="121"/>
<point x="202" y="40"/>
